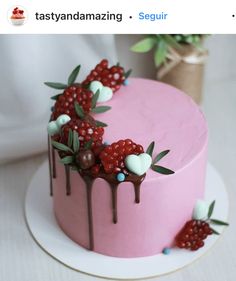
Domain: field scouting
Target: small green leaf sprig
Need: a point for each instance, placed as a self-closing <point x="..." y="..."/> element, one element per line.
<point x="210" y="220"/>
<point x="60" y="86"/>
<point x="95" y="109"/>
<point x="161" y="43"/>
<point x="79" y="110"/>
<point x="72" y="147"/>
<point x="157" y="168"/>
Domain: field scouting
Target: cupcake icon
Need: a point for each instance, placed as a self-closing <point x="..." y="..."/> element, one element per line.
<point x="17" y="16"/>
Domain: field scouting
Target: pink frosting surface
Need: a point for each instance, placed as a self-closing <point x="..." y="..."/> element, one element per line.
<point x="144" y="111"/>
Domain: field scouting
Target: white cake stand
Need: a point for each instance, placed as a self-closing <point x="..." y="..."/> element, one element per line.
<point x="46" y="232"/>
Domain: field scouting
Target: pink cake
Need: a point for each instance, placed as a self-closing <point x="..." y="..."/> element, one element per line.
<point x="126" y="219"/>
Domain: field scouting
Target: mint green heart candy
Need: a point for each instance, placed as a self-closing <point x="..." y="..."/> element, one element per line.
<point x="62" y="120"/>
<point x="95" y="85"/>
<point x="53" y="128"/>
<point x="138" y="164"/>
<point x="105" y="94"/>
<point x="200" y="210"/>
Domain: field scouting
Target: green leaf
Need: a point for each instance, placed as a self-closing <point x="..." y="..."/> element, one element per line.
<point x="160" y="156"/>
<point x="61" y="146"/>
<point x="127" y="74"/>
<point x="58" y="86"/>
<point x="70" y="138"/>
<point x="218" y="222"/>
<point x="88" y="144"/>
<point x="214" y="231"/>
<point x="76" y="143"/>
<point x="95" y="98"/>
<point x="211" y="209"/>
<point x="67" y="160"/>
<point x="73" y="75"/>
<point x="144" y="45"/>
<point x="100" y="124"/>
<point x="79" y="110"/>
<point x="162" y="170"/>
<point x="160" y="53"/>
<point x="56" y="97"/>
<point x="170" y="40"/>
<point x="101" y="109"/>
<point x="150" y="148"/>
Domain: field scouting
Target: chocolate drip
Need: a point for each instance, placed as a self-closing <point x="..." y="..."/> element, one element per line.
<point x="50" y="166"/>
<point x="114" y="188"/>
<point x="89" y="185"/>
<point x="89" y="179"/>
<point x="137" y="192"/>
<point x="54" y="174"/>
<point x="68" y="185"/>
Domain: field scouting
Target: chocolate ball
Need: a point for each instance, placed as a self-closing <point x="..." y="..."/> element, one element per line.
<point x="85" y="159"/>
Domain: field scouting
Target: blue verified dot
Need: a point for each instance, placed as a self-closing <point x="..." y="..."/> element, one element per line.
<point x="126" y="82"/>
<point x="166" y="251"/>
<point x="120" y="177"/>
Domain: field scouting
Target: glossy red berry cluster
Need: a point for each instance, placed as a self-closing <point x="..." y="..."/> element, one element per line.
<point x="86" y="131"/>
<point x="110" y="77"/>
<point x="192" y="235"/>
<point x="65" y="103"/>
<point x="113" y="156"/>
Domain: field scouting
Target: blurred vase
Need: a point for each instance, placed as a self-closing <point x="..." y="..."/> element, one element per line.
<point x="184" y="69"/>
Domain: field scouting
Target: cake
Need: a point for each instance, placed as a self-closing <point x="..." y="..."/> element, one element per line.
<point x="17" y="17"/>
<point x="131" y="184"/>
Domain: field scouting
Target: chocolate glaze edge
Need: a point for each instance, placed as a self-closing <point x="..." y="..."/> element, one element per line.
<point x="68" y="185"/>
<point x="88" y="178"/>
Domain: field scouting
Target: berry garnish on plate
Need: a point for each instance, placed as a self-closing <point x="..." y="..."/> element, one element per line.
<point x="112" y="77"/>
<point x="194" y="232"/>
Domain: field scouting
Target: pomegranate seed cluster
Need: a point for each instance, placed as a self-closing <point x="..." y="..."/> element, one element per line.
<point x="86" y="131"/>
<point x="113" y="156"/>
<point x="192" y="235"/>
<point x="77" y="102"/>
<point x="110" y="77"/>
<point x="65" y="103"/>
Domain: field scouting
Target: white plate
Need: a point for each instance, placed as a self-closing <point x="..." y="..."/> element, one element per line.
<point x="43" y="226"/>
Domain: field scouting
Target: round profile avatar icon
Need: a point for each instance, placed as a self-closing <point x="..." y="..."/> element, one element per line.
<point x="17" y="16"/>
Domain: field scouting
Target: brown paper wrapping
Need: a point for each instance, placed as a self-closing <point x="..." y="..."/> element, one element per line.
<point x="184" y="70"/>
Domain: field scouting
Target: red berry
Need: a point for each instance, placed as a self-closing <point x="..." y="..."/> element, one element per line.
<point x="111" y="77"/>
<point x="113" y="156"/>
<point x="192" y="235"/>
<point x="65" y="102"/>
<point x="86" y="130"/>
<point x="95" y="170"/>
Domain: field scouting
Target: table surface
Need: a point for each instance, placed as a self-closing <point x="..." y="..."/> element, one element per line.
<point x="22" y="259"/>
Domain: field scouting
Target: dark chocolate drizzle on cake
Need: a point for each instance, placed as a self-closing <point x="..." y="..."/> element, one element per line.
<point x="114" y="184"/>
<point x="89" y="179"/>
<point x="68" y="185"/>
<point x="114" y="188"/>
<point x="89" y="185"/>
